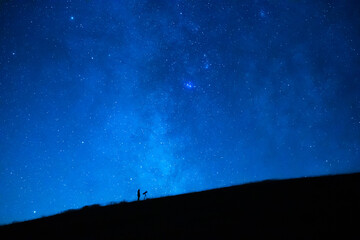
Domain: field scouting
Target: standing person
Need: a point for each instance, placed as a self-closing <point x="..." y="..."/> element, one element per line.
<point x="138" y="194"/>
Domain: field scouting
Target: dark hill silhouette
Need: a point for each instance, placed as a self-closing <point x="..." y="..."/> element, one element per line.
<point x="305" y="208"/>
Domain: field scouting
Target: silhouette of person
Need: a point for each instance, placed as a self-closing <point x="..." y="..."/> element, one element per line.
<point x="145" y="194"/>
<point x="138" y="194"/>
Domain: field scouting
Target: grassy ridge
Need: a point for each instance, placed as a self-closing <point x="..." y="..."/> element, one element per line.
<point x="310" y="208"/>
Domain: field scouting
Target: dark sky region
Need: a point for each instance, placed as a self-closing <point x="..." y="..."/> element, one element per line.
<point x="100" y="98"/>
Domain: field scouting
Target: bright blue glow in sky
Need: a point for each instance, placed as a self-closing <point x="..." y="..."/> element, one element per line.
<point x="189" y="85"/>
<point x="98" y="100"/>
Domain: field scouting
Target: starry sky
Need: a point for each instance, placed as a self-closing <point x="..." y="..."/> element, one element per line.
<point x="171" y="96"/>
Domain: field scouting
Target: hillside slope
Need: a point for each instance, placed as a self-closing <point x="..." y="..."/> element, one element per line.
<point x="307" y="208"/>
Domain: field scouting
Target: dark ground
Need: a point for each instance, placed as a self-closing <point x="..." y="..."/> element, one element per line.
<point x="306" y="208"/>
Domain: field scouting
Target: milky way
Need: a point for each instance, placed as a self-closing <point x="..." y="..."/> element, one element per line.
<point x="99" y="99"/>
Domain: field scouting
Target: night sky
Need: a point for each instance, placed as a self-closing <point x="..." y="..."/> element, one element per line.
<point x="100" y="98"/>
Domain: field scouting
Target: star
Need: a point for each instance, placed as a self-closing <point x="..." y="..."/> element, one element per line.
<point x="262" y="13"/>
<point x="189" y="85"/>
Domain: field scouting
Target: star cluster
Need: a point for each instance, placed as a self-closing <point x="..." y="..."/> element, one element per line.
<point x="100" y="99"/>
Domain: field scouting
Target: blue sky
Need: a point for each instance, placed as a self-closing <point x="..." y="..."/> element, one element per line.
<point x="98" y="100"/>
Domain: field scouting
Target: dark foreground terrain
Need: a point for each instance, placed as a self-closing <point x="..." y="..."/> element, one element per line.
<point x="306" y="208"/>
